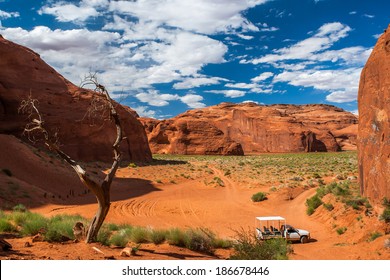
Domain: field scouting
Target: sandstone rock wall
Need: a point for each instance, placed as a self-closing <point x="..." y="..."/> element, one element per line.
<point x="374" y="123"/>
<point x="63" y="107"/>
<point x="257" y="129"/>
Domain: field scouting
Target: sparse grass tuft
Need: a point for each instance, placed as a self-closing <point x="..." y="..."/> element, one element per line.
<point x="341" y="230"/>
<point x="374" y="236"/>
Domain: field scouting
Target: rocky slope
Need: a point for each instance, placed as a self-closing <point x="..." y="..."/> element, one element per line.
<point x="250" y="128"/>
<point x="63" y="106"/>
<point x="374" y="122"/>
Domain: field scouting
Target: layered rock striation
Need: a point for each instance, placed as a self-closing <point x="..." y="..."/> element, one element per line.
<point x="249" y="128"/>
<point x="374" y="123"/>
<point x="63" y="107"/>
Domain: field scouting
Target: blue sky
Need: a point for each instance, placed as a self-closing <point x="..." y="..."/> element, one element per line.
<point x="163" y="57"/>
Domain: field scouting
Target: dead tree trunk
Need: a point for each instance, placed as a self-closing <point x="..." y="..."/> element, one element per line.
<point x="102" y="190"/>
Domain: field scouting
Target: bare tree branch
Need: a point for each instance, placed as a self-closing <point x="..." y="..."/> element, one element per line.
<point x="35" y="131"/>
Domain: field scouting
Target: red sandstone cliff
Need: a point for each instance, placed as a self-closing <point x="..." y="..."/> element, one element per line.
<point x="63" y="107"/>
<point x="225" y="128"/>
<point x="374" y="122"/>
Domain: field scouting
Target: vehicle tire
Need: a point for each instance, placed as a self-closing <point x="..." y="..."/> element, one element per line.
<point x="304" y="239"/>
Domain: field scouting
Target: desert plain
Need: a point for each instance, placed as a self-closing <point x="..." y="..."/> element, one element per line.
<point x="212" y="192"/>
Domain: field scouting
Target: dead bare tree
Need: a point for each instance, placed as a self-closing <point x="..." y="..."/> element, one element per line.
<point x="36" y="130"/>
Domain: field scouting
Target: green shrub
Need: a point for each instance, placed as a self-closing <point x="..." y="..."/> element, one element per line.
<point x="140" y="235"/>
<point x="121" y="237"/>
<point x="386" y="215"/>
<point x="222" y="243"/>
<point x="6" y="226"/>
<point x="103" y="236"/>
<point x="312" y="204"/>
<point x="219" y="181"/>
<point x="112" y="227"/>
<point x="374" y="236"/>
<point x="19" y="208"/>
<point x="158" y="236"/>
<point x="60" y="227"/>
<point x="200" y="240"/>
<point x="33" y="224"/>
<point x="177" y="237"/>
<point x="386" y="202"/>
<point x="341" y="230"/>
<point x="260" y="196"/>
<point x="328" y="206"/>
<point x="248" y="247"/>
<point x="356" y="202"/>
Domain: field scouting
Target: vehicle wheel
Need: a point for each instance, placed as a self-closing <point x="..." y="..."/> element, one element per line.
<point x="304" y="239"/>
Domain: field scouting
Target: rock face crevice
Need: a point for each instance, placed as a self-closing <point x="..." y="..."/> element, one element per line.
<point x="63" y="106"/>
<point x="374" y="123"/>
<point x="230" y="128"/>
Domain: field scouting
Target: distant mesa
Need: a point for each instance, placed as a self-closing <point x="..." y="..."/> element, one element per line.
<point x="249" y="128"/>
<point x="374" y="123"/>
<point x="63" y="106"/>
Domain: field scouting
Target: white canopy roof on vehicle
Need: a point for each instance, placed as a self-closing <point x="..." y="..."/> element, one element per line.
<point x="271" y="218"/>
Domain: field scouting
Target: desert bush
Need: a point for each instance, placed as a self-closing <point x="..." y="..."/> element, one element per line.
<point x="385" y="216"/>
<point x="112" y="227"/>
<point x="158" y="236"/>
<point x="121" y="237"/>
<point x="104" y="235"/>
<point x="386" y="202"/>
<point x="374" y="235"/>
<point x="312" y="204"/>
<point x="222" y="243"/>
<point x="356" y="202"/>
<point x="219" y="181"/>
<point x="316" y="176"/>
<point x="60" y="227"/>
<point x="248" y="247"/>
<point x="19" y="208"/>
<point x="260" y="196"/>
<point x="201" y="240"/>
<point x="6" y="226"/>
<point x="33" y="224"/>
<point x="341" y="230"/>
<point x="176" y="237"/>
<point x="296" y="178"/>
<point x="328" y="206"/>
<point x="140" y="235"/>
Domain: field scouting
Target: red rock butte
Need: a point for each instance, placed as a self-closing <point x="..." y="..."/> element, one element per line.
<point x="63" y="106"/>
<point x="374" y="123"/>
<point x="249" y="128"/>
